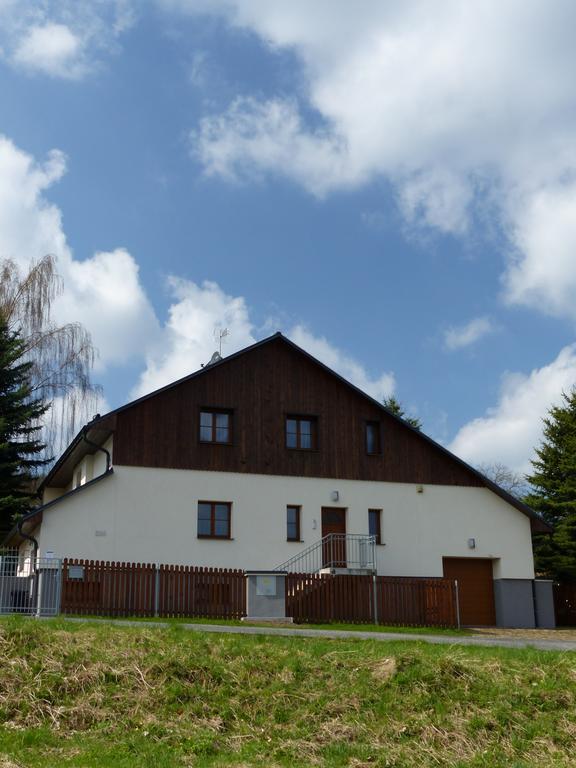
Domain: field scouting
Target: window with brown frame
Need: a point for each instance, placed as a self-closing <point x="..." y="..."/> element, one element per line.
<point x="214" y="519"/>
<point x="374" y="528"/>
<point x="302" y="432"/>
<point x="373" y="437"/>
<point x="292" y="523"/>
<point x="215" y="426"/>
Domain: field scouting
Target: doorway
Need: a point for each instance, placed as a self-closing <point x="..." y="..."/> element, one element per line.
<point x="334" y="526"/>
<point x="475" y="589"/>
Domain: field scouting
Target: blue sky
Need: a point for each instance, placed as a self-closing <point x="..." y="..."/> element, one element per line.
<point x="394" y="189"/>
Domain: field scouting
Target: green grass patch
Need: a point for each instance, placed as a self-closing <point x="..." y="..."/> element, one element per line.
<point x="88" y="695"/>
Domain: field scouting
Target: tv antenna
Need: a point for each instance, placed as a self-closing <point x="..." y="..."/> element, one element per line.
<point x="219" y="334"/>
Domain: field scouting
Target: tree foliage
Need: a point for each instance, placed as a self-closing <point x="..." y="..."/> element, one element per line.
<point x="21" y="452"/>
<point x="395" y="407"/>
<point x="554" y="491"/>
<point x="61" y="356"/>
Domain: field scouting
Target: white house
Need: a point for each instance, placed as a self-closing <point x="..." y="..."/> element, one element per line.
<point x="254" y="458"/>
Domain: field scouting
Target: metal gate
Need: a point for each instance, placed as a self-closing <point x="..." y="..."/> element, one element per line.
<point x="30" y="585"/>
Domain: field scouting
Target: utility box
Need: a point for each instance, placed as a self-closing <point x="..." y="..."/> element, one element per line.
<point x="266" y="596"/>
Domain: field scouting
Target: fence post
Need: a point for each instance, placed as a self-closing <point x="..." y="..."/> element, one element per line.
<point x="156" y="590"/>
<point x="375" y="596"/>
<point x="58" y="597"/>
<point x="457" y="602"/>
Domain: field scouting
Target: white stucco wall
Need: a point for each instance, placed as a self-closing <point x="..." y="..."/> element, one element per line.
<point x="150" y="515"/>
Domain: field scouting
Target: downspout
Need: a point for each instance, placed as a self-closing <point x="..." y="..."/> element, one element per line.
<point x="98" y="448"/>
<point x="27" y="536"/>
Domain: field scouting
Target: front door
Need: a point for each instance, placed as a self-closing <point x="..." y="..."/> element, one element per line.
<point x="334" y="549"/>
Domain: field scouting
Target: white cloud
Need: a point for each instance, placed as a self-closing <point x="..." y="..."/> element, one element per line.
<point x="102" y="292"/>
<point x="441" y="99"/>
<point x="543" y="271"/>
<point x="462" y="336"/>
<point x="61" y="38"/>
<point x="188" y="340"/>
<point x="253" y="137"/>
<point x="52" y="49"/>
<point x="510" y="431"/>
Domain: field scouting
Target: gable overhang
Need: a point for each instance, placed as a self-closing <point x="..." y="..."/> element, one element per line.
<point x="100" y="428"/>
<point x="88" y="441"/>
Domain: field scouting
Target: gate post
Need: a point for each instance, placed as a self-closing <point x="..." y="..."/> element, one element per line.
<point x="375" y="597"/>
<point x="58" y="596"/>
<point x="156" y="590"/>
<point x="457" y="602"/>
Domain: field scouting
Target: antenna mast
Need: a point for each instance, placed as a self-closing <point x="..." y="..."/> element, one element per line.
<point x="219" y="334"/>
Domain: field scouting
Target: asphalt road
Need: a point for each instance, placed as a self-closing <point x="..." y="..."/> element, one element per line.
<point x="493" y="641"/>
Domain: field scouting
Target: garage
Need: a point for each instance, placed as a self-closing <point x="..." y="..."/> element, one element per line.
<point x="475" y="589"/>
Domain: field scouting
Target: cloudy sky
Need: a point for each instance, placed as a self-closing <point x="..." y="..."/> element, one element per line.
<point x="392" y="184"/>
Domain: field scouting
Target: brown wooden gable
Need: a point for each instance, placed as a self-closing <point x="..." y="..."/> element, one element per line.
<point x="261" y="386"/>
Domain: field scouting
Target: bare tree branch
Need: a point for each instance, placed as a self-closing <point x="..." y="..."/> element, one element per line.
<point x="62" y="356"/>
<point x="513" y="482"/>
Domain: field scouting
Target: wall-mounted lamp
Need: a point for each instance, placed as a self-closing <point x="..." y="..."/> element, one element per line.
<point x="314" y="525"/>
<point x="335" y="496"/>
<point x="471" y="543"/>
<point x="419" y="489"/>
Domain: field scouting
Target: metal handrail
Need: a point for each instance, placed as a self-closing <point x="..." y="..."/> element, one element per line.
<point x="335" y="550"/>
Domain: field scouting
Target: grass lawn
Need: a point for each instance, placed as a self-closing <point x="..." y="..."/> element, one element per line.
<point x="88" y="695"/>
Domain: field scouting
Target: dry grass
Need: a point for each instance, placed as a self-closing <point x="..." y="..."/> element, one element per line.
<point x="98" y="695"/>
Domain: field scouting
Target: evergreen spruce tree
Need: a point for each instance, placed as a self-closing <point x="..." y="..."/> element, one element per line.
<point x="554" y="491"/>
<point x="395" y="407"/>
<point x="20" y="412"/>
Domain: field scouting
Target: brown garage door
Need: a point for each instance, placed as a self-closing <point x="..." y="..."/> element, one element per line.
<point x="475" y="589"/>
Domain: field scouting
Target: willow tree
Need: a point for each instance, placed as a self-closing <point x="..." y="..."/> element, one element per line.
<point x="61" y="356"/>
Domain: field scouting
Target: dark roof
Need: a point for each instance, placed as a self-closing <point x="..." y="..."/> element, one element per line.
<point x="105" y="424"/>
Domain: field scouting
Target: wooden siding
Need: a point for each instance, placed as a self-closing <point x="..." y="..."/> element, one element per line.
<point x="261" y="387"/>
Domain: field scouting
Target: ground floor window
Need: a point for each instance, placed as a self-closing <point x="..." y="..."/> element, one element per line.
<point x="292" y="523"/>
<point x="374" y="528"/>
<point x="214" y="519"/>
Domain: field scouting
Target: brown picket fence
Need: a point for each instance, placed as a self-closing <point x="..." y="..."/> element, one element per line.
<point x="207" y="592"/>
<point x="403" y="601"/>
<point x="102" y="588"/>
<point x="565" y="604"/>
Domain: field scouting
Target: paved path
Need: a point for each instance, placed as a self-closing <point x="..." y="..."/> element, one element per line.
<point x="341" y="634"/>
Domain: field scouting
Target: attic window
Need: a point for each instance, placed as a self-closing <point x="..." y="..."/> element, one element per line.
<point x="373" y="445"/>
<point x="301" y="432"/>
<point x="215" y="426"/>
